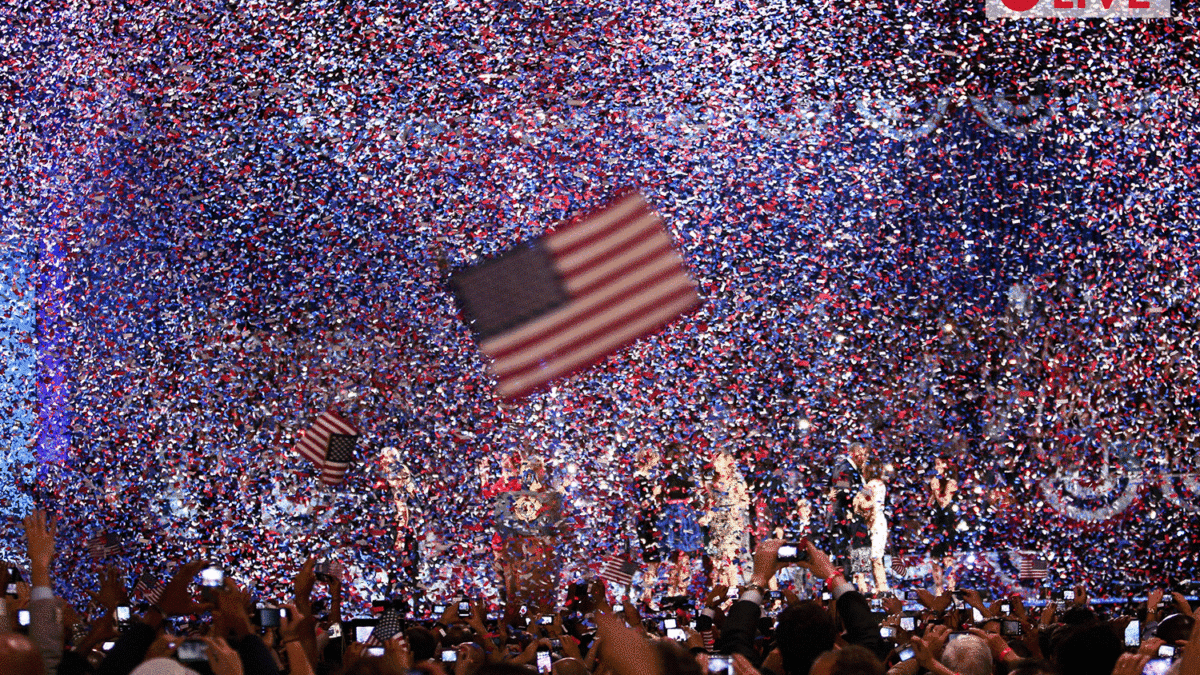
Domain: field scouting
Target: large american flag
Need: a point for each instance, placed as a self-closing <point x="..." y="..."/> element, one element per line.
<point x="565" y="301"/>
<point x="329" y="443"/>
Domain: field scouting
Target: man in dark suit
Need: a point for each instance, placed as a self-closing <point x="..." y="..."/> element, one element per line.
<point x="848" y="530"/>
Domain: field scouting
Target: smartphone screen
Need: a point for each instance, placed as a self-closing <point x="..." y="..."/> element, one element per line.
<point x="22" y="617"/>
<point x="268" y="617"/>
<point x="1005" y="608"/>
<point x="719" y="663"/>
<point x="192" y="651"/>
<point x="545" y="620"/>
<point x="887" y="632"/>
<point x="976" y="615"/>
<point x="908" y="623"/>
<point x="1010" y="628"/>
<point x="1133" y="633"/>
<point x="618" y="607"/>
<point x="374" y="651"/>
<point x="670" y="623"/>
<point x="826" y="596"/>
<point x="464" y="609"/>
<point x="1068" y="595"/>
<point x="1156" y="667"/>
<point x="677" y="634"/>
<point x="792" y="553"/>
<point x="543" y="661"/>
<point x="907" y="653"/>
<point x="363" y="633"/>
<point x="449" y="656"/>
<point x="212" y="577"/>
<point x="123" y="613"/>
<point x="1166" y="652"/>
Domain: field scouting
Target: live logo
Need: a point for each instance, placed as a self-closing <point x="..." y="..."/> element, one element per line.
<point x="1078" y="9"/>
<point x="1107" y="4"/>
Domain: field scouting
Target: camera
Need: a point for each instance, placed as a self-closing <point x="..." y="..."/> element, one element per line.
<point x="793" y="552"/>
<point x="1133" y="633"/>
<point x="1156" y="667"/>
<point x="888" y="632"/>
<point x="268" y="617"/>
<point x="362" y="633"/>
<point x="1010" y="628"/>
<point x="677" y="634"/>
<point x="720" y="663"/>
<point x="907" y="653"/>
<point x="1166" y="652"/>
<point x="908" y="623"/>
<point x="192" y="651"/>
<point x="464" y="609"/>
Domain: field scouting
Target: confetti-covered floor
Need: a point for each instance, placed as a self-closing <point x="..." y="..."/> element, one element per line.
<point x="912" y="227"/>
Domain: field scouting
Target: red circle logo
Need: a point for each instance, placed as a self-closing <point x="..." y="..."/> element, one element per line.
<point x="1020" y="5"/>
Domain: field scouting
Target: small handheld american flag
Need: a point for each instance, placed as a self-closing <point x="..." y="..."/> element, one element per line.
<point x="103" y="545"/>
<point x="1031" y="566"/>
<point x="329" y="443"/>
<point x="618" y="570"/>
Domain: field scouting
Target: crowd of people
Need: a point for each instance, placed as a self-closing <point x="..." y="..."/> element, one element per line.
<point x="201" y="621"/>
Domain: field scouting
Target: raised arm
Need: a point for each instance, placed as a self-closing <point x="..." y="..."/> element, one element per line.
<point x="45" y="627"/>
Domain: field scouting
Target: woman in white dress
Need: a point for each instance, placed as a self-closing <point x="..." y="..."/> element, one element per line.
<point x="870" y="503"/>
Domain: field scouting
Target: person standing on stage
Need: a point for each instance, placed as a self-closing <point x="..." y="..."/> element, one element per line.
<point x="849" y="528"/>
<point x="678" y="529"/>
<point x="727" y="520"/>
<point x="648" y="491"/>
<point x="943" y="522"/>
<point x="873" y="501"/>
<point x="528" y="524"/>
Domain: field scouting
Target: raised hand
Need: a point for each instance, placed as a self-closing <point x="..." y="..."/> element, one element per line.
<point x="39" y="540"/>
<point x="302" y="585"/>
<point x="176" y="599"/>
<point x="222" y="658"/>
